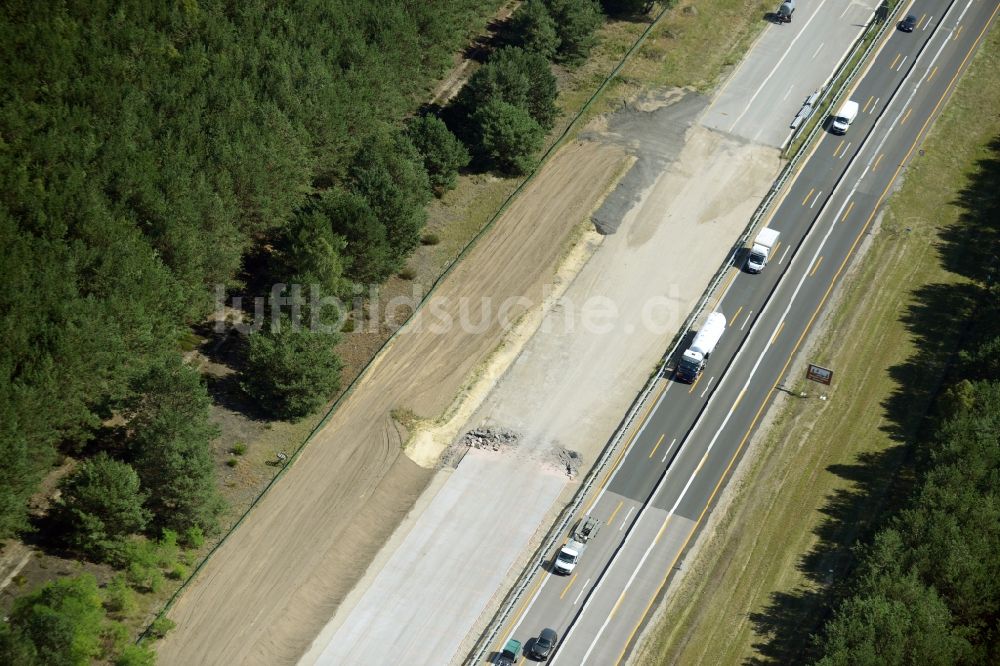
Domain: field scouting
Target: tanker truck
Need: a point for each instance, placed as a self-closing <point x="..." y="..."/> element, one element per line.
<point x="693" y="360"/>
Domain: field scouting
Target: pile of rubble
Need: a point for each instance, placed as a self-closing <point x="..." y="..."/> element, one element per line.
<point x="568" y="461"/>
<point x="491" y="439"/>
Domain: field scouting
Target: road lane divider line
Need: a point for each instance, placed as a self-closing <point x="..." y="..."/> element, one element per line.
<point x="658" y="442"/>
<point x="846" y="148"/>
<point x="625" y="519"/>
<point x="894" y="61"/>
<point x="958" y="32"/>
<point x="816" y="198"/>
<point x="928" y="22"/>
<point x="778" y="332"/>
<point x="747" y="320"/>
<point x="805" y="201"/>
<point x="733" y="318"/>
<point x="694" y="384"/>
<point x="921" y="21"/>
<point x="568" y="585"/>
<point x="906" y="117"/>
<point x="931" y="75"/>
<point x="868" y="103"/>
<point x="806" y="329"/>
<point x="707" y="386"/>
<point x="900" y="68"/>
<point x="846" y="213"/>
<point x="615" y="512"/>
<point x="877" y="160"/>
<point x="667" y="452"/>
<point x="836" y="151"/>
<point x="738" y="398"/>
<point x="582" y="590"/>
<point x="816" y="53"/>
<point x="783" y="254"/>
<point x="815" y="266"/>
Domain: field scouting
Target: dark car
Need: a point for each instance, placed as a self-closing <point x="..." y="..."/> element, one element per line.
<point x="908" y="24"/>
<point x="543" y="646"/>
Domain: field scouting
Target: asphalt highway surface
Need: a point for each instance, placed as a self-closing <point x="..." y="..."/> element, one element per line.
<point x="658" y="493"/>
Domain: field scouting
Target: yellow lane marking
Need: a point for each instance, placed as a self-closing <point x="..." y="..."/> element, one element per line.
<point x="931" y="75"/>
<point x="959" y="31"/>
<point x="836" y="150"/>
<point x="806" y="200"/>
<point x="781" y="327"/>
<point x="847" y="212"/>
<point x="816" y="266"/>
<point x="805" y="331"/>
<point x="568" y="585"/>
<point x="894" y="61"/>
<point x="693" y="385"/>
<point x="877" y="160"/>
<point x="921" y="21"/>
<point x="870" y="100"/>
<point x="733" y="318"/>
<point x="774" y="250"/>
<point x="906" y="115"/>
<point x="738" y="398"/>
<point x="658" y="442"/>
<point x="615" y="512"/>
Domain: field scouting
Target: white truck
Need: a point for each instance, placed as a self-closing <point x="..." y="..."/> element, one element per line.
<point x="761" y="250"/>
<point x="693" y="360"/>
<point x="568" y="556"/>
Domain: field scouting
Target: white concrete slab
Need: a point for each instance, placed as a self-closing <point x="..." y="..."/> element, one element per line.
<point x="420" y="606"/>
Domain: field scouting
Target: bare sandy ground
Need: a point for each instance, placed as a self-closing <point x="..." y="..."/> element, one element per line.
<point x="675" y="215"/>
<point x="269" y="589"/>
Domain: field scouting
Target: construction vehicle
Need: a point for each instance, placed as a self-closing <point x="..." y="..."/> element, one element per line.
<point x="570" y="553"/>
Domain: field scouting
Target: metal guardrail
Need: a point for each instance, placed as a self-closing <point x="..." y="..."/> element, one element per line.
<point x="556" y="532"/>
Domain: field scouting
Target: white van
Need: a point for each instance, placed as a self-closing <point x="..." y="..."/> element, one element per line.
<point x="844" y="117"/>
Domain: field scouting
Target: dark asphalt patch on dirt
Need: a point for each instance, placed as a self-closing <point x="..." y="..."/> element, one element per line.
<point x="652" y="129"/>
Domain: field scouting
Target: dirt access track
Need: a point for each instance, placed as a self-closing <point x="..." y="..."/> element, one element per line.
<point x="266" y="593"/>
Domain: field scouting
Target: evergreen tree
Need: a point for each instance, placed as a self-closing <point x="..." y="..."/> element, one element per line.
<point x="310" y="253"/>
<point x="291" y="371"/>
<point x="370" y="258"/>
<point x="62" y="620"/>
<point x="442" y="152"/>
<point x="628" y="7"/>
<point x="389" y="173"/>
<point x="517" y="77"/>
<point x="101" y="505"/>
<point x="532" y="29"/>
<point x="170" y="441"/>
<point x="576" y="22"/>
<point x="509" y="136"/>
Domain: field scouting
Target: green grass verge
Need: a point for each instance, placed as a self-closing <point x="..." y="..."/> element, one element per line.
<point x="761" y="582"/>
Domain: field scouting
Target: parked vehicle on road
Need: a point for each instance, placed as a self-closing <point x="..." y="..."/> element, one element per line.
<point x="543" y="646"/>
<point x="845" y="115"/>
<point x="761" y="250"/>
<point x="785" y="11"/>
<point x="570" y="553"/>
<point x="693" y="360"/>
<point x="908" y="23"/>
<point x="510" y="654"/>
